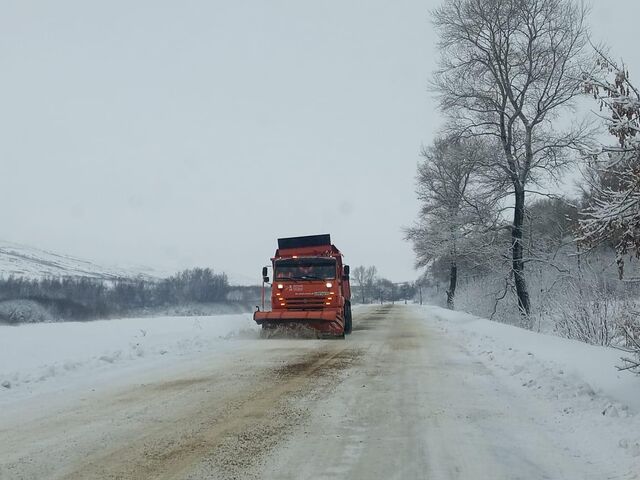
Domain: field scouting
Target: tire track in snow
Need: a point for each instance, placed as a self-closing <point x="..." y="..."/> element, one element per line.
<point x="224" y="441"/>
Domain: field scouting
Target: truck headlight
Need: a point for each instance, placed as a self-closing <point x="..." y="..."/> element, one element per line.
<point x="329" y="284"/>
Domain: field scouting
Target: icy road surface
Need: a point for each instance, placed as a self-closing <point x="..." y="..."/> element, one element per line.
<point x="401" y="398"/>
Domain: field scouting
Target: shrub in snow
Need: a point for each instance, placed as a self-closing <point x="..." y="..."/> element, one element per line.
<point x="591" y="313"/>
<point x="13" y="312"/>
<point x="631" y="343"/>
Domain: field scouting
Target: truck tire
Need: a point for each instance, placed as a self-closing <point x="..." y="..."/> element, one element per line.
<point x="348" y="320"/>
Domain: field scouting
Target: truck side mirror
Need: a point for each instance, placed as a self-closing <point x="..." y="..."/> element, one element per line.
<point x="265" y="278"/>
<point x="346" y="272"/>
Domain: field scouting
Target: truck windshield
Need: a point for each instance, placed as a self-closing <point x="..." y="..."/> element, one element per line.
<point x="305" y="269"/>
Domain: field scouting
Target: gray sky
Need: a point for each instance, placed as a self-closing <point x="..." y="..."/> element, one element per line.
<point x="175" y="134"/>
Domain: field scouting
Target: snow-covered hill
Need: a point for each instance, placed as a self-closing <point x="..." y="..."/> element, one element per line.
<point x="30" y="262"/>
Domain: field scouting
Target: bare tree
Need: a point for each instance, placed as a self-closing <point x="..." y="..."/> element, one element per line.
<point x="370" y="277"/>
<point x="364" y="278"/>
<point x="453" y="207"/>
<point x="359" y="277"/>
<point x="507" y="69"/>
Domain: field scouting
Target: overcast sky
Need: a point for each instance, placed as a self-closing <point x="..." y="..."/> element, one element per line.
<point x="176" y="134"/>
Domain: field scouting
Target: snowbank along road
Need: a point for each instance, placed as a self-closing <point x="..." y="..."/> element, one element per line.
<point x="398" y="399"/>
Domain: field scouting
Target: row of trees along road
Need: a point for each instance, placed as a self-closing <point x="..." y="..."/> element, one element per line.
<point x="509" y="77"/>
<point x="508" y="69"/>
<point x="368" y="287"/>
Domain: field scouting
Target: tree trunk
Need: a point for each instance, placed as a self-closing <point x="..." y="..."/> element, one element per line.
<point x="516" y="247"/>
<point x="453" y="279"/>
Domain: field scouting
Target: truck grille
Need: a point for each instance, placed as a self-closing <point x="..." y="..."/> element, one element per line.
<point x="305" y="303"/>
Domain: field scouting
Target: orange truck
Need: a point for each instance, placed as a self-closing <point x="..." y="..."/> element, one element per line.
<point x="310" y="288"/>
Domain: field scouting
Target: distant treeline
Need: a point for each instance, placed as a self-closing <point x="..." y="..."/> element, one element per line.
<point x="87" y="298"/>
<point x="368" y="287"/>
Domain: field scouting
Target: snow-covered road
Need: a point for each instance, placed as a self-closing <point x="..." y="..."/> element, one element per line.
<point x="410" y="394"/>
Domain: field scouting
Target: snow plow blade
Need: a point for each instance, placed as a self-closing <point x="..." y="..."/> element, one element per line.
<point x="321" y="323"/>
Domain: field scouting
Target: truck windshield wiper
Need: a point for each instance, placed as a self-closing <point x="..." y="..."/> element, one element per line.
<point x="307" y="277"/>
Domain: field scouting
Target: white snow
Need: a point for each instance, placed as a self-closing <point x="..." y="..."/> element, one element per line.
<point x="587" y="401"/>
<point x="568" y="390"/>
<point x="512" y="348"/>
<point x="39" y="356"/>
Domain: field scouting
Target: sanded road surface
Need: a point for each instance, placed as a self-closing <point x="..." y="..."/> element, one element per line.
<point x="397" y="399"/>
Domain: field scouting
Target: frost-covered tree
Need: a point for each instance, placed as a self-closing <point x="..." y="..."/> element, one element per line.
<point x="612" y="214"/>
<point x="508" y="68"/>
<point x="551" y="223"/>
<point x="454" y="209"/>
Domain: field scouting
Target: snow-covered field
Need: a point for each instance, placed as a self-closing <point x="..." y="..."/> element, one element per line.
<point x="41" y="356"/>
